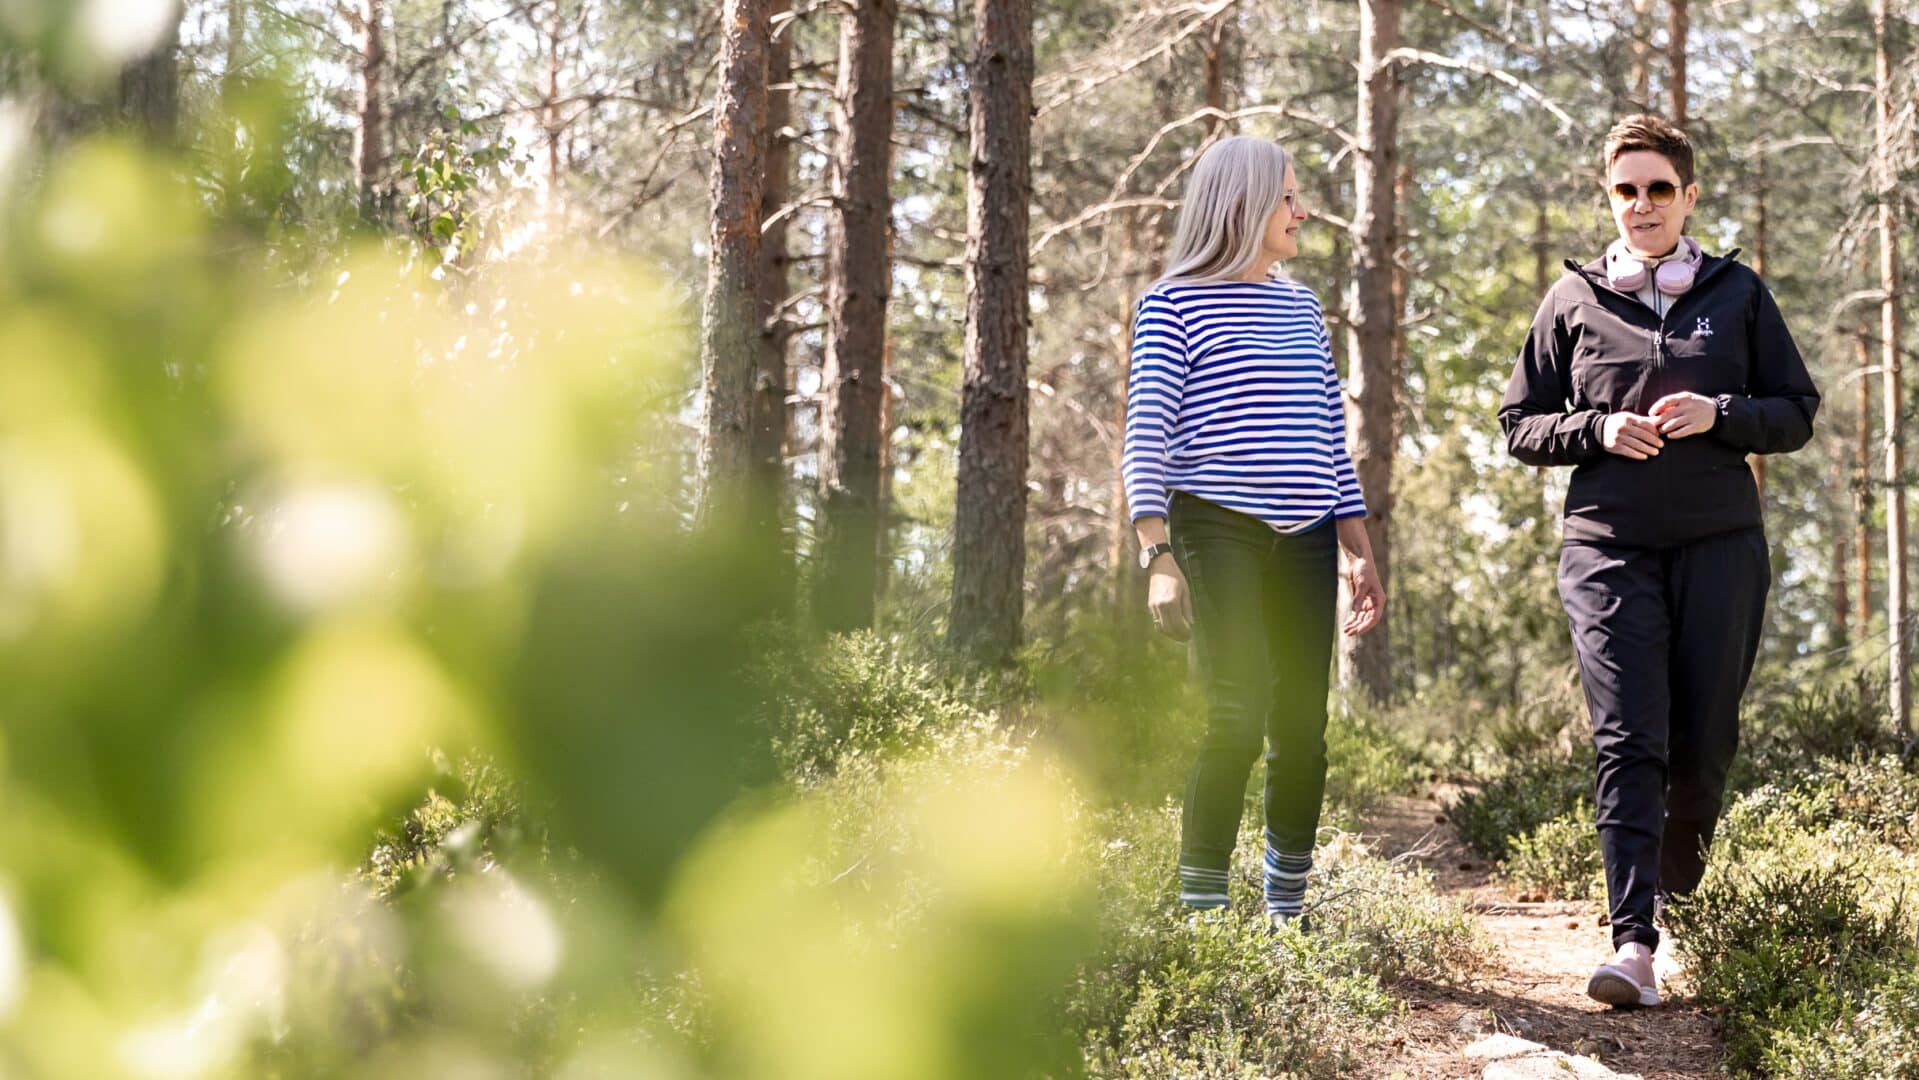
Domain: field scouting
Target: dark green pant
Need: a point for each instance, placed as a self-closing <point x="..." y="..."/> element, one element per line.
<point x="1263" y="609"/>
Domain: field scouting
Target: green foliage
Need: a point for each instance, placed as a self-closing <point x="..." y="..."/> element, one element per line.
<point x="858" y="695"/>
<point x="1878" y="797"/>
<point x="1559" y="858"/>
<point x="1367" y="759"/>
<point x="1217" y="994"/>
<point x="452" y="181"/>
<point x="1132" y="712"/>
<point x="1795" y="727"/>
<point x="1787" y="949"/>
<point x="469" y="818"/>
<point x="1802" y="930"/>
<point x="1879" y="1042"/>
<point x="1524" y="795"/>
<point x="1406" y="930"/>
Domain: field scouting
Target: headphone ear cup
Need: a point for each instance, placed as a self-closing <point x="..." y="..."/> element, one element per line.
<point x="1674" y="277"/>
<point x="1623" y="271"/>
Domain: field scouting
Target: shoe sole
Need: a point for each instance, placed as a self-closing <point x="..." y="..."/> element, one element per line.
<point x="1618" y="989"/>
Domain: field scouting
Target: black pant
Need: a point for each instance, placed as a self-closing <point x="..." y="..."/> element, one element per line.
<point x="1263" y="611"/>
<point x="1666" y="639"/>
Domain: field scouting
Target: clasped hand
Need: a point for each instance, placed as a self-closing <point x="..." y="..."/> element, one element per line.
<point x="1674" y="416"/>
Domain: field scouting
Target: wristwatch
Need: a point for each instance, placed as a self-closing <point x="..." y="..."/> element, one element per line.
<point x="1149" y="553"/>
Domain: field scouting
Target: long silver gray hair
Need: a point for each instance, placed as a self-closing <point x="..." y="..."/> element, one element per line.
<point x="1235" y="187"/>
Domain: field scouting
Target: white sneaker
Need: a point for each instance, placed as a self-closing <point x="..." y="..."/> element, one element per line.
<point x="1626" y="981"/>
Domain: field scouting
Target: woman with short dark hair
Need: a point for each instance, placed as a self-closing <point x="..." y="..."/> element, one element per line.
<point x="1653" y="371"/>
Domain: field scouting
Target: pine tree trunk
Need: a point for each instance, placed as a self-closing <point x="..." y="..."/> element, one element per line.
<point x="1642" y="53"/>
<point x="150" y="86"/>
<point x="1678" y="26"/>
<point x="1214" y="46"/>
<point x="989" y="542"/>
<point x="1542" y="248"/>
<point x="1129" y="584"/>
<point x="369" y="136"/>
<point x="550" y="113"/>
<point x="230" y="79"/>
<point x="1757" y="462"/>
<point x="1890" y="331"/>
<point x="1862" y="488"/>
<point x="771" y="378"/>
<point x="859" y="280"/>
<point x="1836" y="589"/>
<point x="730" y="317"/>
<point x="1365" y="662"/>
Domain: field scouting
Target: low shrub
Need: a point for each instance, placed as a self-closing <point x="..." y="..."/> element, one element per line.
<point x="1879" y="796"/>
<point x="1366" y="761"/>
<point x="1879" y="1042"/>
<point x="1790" y="947"/>
<point x="469" y="817"/>
<point x="1174" y="993"/>
<point x="1407" y="930"/>
<point x="1524" y="795"/>
<point x="1793" y="728"/>
<point x="1559" y="858"/>
<point x="857" y="695"/>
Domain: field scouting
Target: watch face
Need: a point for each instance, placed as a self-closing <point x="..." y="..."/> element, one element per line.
<point x="1145" y="558"/>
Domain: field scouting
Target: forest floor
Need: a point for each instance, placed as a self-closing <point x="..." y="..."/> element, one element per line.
<point x="1534" y="986"/>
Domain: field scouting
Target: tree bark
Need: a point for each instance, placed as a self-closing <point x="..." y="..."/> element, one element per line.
<point x="150" y="86"/>
<point x="1642" y="53"/>
<point x="1678" y="26"/>
<point x="1836" y="590"/>
<point x="1890" y="331"/>
<point x="236" y="49"/>
<point x="859" y="279"/>
<point x="1757" y="462"/>
<point x="730" y="316"/>
<point x="369" y="136"/>
<point x="1214" y="45"/>
<point x="1129" y="584"/>
<point x="1542" y="248"/>
<point x="770" y="380"/>
<point x="1862" y="488"/>
<point x="550" y="112"/>
<point x="989" y="543"/>
<point x="1365" y="662"/>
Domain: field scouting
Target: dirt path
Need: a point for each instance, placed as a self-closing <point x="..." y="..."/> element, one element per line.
<point x="1535" y="988"/>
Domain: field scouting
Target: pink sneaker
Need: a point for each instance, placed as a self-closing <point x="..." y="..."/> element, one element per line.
<point x="1626" y="981"/>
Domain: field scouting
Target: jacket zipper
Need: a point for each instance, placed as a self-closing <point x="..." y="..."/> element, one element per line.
<point x="1659" y="334"/>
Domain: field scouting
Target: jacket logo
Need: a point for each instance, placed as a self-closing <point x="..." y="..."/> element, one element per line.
<point x="1704" y="329"/>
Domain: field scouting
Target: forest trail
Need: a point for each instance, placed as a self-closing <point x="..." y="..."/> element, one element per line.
<point x="1534" y="986"/>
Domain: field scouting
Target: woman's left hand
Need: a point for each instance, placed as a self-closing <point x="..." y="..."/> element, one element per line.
<point x="1369" y="600"/>
<point x="1683" y="414"/>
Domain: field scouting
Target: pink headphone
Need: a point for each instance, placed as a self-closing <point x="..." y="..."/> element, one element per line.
<point x="1671" y="274"/>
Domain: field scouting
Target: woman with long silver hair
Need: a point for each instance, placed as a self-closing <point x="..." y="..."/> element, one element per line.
<point x="1243" y="493"/>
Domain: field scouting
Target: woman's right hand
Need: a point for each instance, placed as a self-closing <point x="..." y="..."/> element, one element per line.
<point x="1169" y="599"/>
<point x="1630" y="435"/>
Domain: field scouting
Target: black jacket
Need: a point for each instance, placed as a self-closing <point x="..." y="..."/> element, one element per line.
<point x="1593" y="351"/>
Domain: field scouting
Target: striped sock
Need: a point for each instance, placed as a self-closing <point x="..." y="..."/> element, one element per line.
<point x="1286" y="879"/>
<point x="1201" y="887"/>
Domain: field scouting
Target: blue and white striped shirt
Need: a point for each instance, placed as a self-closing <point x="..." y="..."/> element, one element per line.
<point x="1233" y="398"/>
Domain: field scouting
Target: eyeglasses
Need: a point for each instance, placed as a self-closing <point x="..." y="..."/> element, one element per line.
<point x="1292" y="202"/>
<point x="1658" y="193"/>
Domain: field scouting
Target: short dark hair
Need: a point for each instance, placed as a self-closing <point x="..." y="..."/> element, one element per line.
<point x="1649" y="132"/>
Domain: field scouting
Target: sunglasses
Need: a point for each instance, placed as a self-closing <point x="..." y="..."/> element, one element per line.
<point x="1658" y="193"/>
